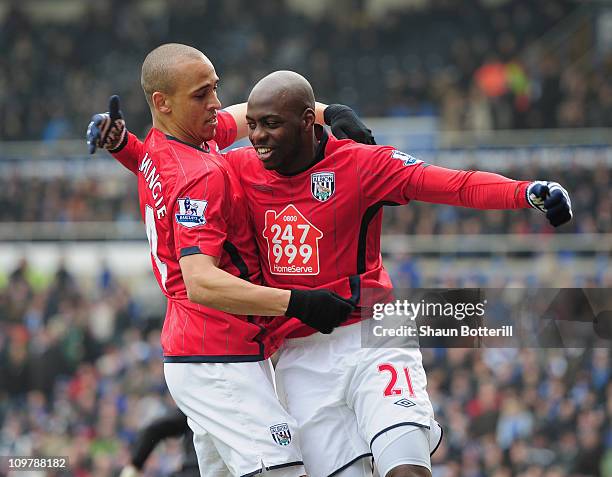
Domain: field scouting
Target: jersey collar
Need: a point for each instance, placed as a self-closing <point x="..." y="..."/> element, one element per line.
<point x="172" y="138"/>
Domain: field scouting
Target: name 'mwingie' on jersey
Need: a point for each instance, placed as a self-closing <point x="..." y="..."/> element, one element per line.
<point x="191" y="202"/>
<point x="321" y="228"/>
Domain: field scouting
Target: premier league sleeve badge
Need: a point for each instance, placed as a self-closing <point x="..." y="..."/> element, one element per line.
<point x="191" y="212"/>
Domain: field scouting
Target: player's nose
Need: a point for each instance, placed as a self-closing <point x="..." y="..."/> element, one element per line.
<point x="258" y="135"/>
<point x="215" y="103"/>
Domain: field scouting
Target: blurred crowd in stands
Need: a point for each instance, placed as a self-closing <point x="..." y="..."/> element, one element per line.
<point x="80" y="373"/>
<point x="68" y="199"/>
<point x="468" y="62"/>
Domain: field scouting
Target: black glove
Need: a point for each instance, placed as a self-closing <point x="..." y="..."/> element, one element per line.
<point x="320" y="309"/>
<point x="107" y="130"/>
<point x="345" y="124"/>
<point x="552" y="199"/>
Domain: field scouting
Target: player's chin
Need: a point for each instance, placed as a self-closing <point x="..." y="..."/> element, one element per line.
<point x="209" y="131"/>
<point x="269" y="164"/>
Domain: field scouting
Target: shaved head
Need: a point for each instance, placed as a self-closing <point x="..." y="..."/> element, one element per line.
<point x="180" y="85"/>
<point x="159" y="69"/>
<point x="281" y="117"/>
<point x="287" y="89"/>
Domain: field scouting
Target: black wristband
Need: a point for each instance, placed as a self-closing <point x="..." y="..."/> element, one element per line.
<point x="332" y="111"/>
<point x="298" y="302"/>
<point x="122" y="143"/>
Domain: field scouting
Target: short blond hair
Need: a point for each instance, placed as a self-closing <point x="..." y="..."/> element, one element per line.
<point x="158" y="69"/>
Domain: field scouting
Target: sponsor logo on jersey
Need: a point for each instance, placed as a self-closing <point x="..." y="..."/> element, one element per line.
<point x="293" y="242"/>
<point x="322" y="185"/>
<point x="406" y="159"/>
<point x="404" y="403"/>
<point x="281" y="434"/>
<point x="191" y="212"/>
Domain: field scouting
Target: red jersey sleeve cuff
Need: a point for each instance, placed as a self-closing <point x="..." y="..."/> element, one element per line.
<point x="128" y="152"/>
<point x="521" y="195"/>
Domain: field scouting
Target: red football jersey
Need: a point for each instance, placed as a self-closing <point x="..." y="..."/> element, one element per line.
<point x="321" y="228"/>
<point x="191" y="202"/>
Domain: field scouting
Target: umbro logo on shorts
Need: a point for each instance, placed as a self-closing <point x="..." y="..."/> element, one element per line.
<point x="281" y="434"/>
<point x="404" y="403"/>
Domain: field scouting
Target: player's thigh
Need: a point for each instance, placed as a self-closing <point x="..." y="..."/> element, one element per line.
<point x="388" y="390"/>
<point x="235" y="403"/>
<point x="312" y="379"/>
<point x="209" y="459"/>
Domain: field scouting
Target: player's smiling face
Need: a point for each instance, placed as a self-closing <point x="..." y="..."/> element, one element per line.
<point x="194" y="102"/>
<point x="275" y="132"/>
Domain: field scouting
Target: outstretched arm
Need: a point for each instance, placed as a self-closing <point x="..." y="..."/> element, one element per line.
<point x="486" y="190"/>
<point x="108" y="131"/>
<point x="399" y="177"/>
<point x="475" y="189"/>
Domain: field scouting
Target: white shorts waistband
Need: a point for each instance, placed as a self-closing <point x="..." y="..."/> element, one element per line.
<point x="338" y="333"/>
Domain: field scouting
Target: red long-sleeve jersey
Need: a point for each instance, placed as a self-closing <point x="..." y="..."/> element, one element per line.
<point x="321" y="228"/>
<point x="192" y="203"/>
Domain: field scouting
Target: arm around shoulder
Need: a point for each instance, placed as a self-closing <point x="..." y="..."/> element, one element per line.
<point x="210" y="286"/>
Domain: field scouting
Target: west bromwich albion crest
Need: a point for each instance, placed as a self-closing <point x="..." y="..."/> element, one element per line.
<point x="281" y="434"/>
<point x="191" y="212"/>
<point x="322" y="185"/>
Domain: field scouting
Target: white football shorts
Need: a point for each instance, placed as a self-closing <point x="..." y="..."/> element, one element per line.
<point x="234" y="406"/>
<point x="344" y="396"/>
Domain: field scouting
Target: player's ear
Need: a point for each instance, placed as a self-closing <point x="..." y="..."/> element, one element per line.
<point x="308" y="118"/>
<point x="161" y="103"/>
